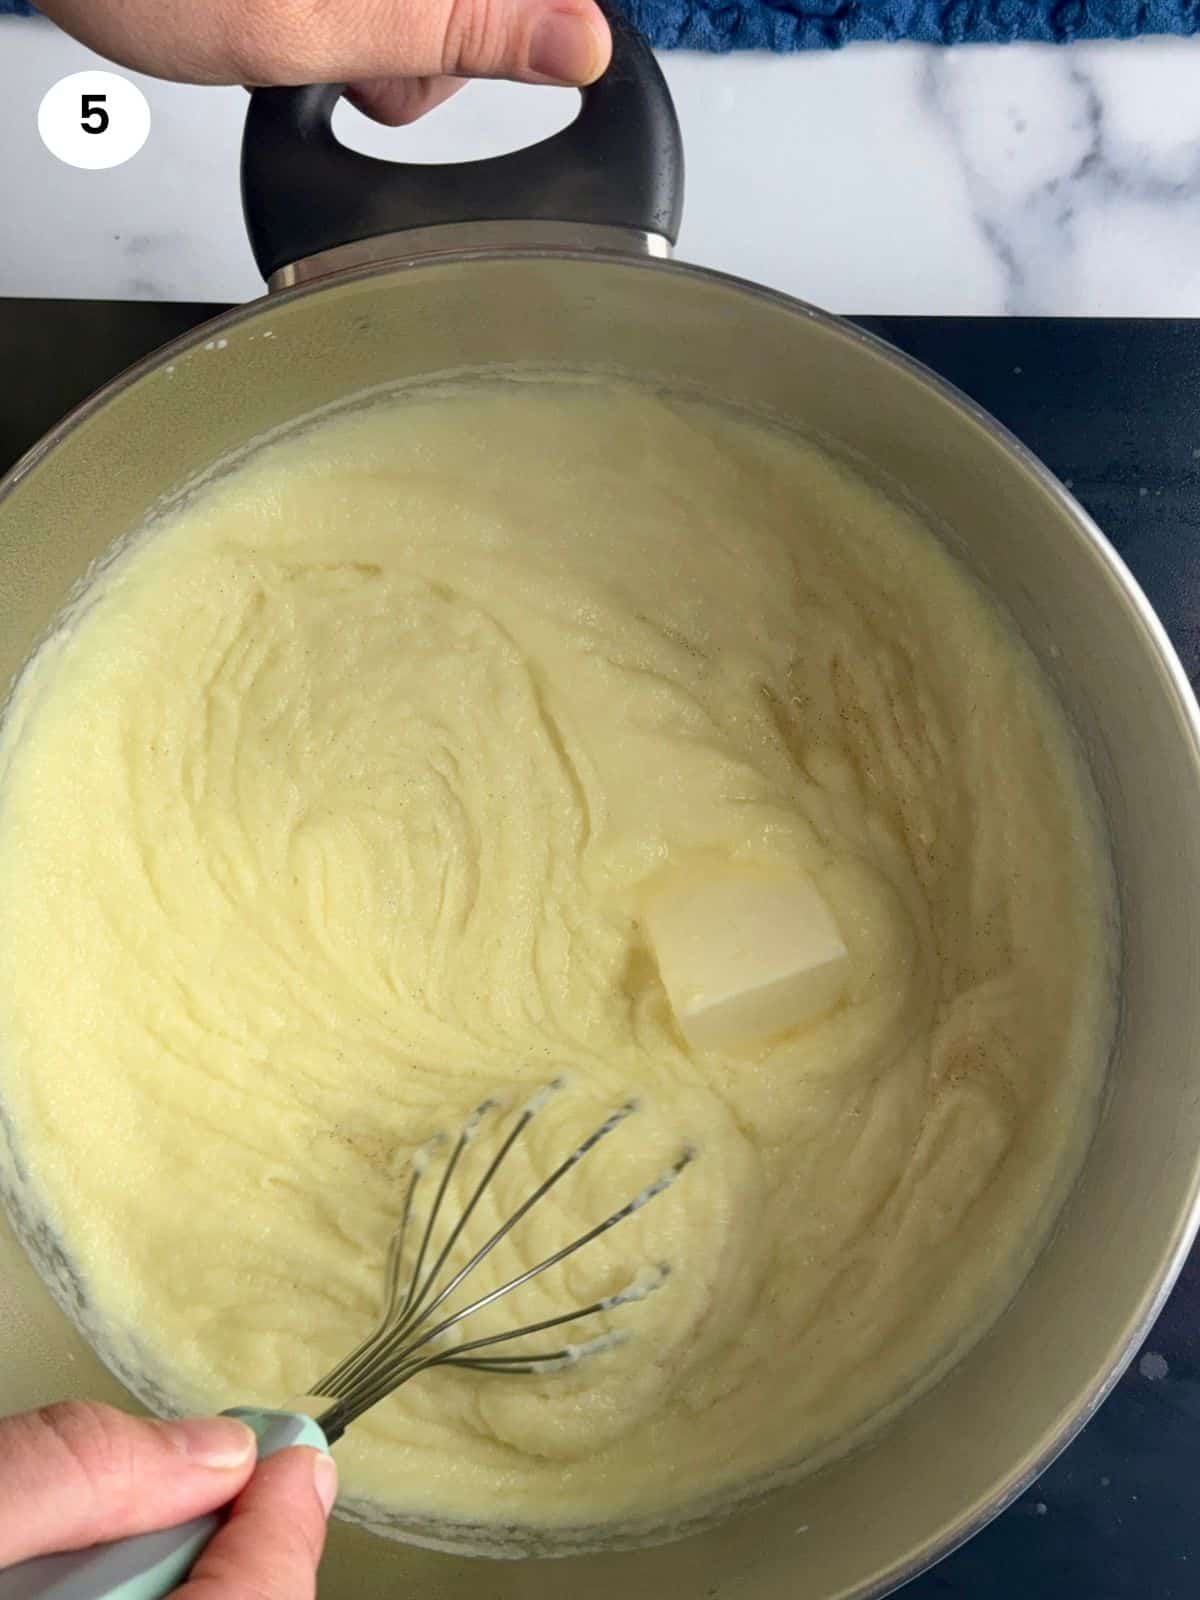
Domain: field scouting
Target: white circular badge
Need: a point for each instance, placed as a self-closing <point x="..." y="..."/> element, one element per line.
<point x="94" y="120"/>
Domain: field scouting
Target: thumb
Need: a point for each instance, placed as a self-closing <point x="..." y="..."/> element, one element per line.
<point x="533" y="41"/>
<point x="78" y="1474"/>
<point x="271" y="1544"/>
<point x="567" y="42"/>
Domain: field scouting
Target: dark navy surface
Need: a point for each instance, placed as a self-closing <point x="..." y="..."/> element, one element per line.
<point x="1114" y="408"/>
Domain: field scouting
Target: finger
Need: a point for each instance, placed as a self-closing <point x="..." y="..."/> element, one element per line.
<point x="399" y="101"/>
<point x="271" y="1545"/>
<point x="77" y="1474"/>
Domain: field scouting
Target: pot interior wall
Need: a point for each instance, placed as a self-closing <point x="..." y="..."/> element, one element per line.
<point x="859" y="1523"/>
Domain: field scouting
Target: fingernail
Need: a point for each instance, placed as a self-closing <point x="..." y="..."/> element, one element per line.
<point x="564" y="47"/>
<point x="218" y="1442"/>
<point x="325" y="1481"/>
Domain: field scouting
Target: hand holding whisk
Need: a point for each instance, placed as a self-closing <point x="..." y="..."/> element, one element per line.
<point x="422" y="1327"/>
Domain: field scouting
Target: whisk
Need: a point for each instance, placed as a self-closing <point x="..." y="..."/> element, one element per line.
<point x="422" y="1326"/>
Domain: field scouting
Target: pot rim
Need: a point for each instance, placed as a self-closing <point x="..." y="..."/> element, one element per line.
<point x="1125" y="588"/>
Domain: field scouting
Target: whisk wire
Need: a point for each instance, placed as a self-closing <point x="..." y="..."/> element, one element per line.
<point x="543" y="1189"/>
<point x="427" y="1235"/>
<point x="404" y="1349"/>
<point x="403" y="1344"/>
<point x="411" y="1363"/>
<point x="497" y="1161"/>
<point x="395" y="1343"/>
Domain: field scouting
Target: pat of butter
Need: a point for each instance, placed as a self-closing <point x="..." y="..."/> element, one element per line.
<point x="745" y="954"/>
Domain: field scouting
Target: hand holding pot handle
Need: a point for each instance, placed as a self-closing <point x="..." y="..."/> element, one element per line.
<point x="619" y="165"/>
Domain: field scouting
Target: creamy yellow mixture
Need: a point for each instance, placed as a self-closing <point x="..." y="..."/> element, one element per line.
<point x="333" y="809"/>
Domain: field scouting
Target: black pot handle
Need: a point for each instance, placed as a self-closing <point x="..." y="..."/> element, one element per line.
<point x="619" y="164"/>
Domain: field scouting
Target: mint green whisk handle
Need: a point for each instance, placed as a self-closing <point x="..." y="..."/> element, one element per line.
<point x="149" y="1565"/>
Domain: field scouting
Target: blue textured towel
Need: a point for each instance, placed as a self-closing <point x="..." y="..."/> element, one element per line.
<point x="797" y="25"/>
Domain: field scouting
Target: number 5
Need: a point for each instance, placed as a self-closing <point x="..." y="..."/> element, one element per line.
<point x="94" y="118"/>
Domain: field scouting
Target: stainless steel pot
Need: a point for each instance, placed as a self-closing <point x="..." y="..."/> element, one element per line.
<point x="557" y="256"/>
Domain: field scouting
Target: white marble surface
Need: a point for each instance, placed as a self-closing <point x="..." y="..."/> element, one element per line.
<point x="880" y="179"/>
